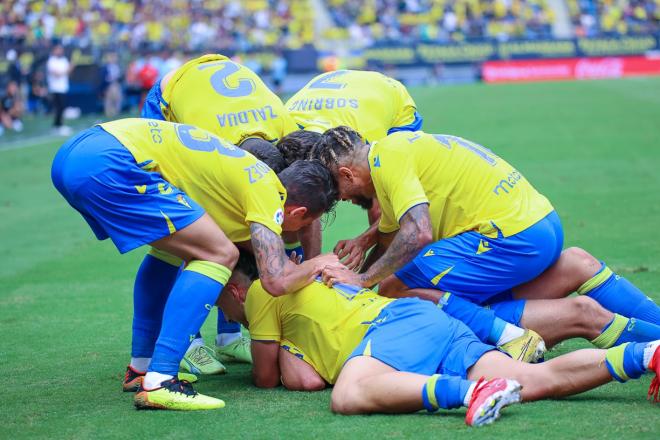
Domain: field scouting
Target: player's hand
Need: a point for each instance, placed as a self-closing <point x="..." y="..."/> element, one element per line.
<point x="332" y="275"/>
<point x="325" y="260"/>
<point x="351" y="252"/>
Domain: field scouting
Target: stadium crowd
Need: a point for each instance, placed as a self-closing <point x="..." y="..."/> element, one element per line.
<point x="191" y="25"/>
<point x="441" y="20"/>
<point x="592" y="18"/>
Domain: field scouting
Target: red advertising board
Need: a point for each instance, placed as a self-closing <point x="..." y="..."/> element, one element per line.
<point x="569" y="68"/>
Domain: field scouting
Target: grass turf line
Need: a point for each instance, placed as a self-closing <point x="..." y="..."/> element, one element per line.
<point x="65" y="299"/>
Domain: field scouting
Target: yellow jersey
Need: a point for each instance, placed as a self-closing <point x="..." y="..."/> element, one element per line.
<point x="369" y="102"/>
<point x="467" y="187"/>
<point x="225" y="98"/>
<point x="321" y="325"/>
<point x="232" y="186"/>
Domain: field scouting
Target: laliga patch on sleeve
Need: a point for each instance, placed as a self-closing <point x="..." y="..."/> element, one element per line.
<point x="279" y="216"/>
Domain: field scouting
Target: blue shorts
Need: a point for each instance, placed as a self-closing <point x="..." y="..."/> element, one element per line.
<point x="483" y="269"/>
<point x="415" y="125"/>
<point x="415" y="336"/>
<point x="99" y="177"/>
<point x="151" y="108"/>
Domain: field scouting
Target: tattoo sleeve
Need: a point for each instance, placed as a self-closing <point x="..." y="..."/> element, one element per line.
<point x="278" y="275"/>
<point x="415" y="232"/>
<point x="269" y="252"/>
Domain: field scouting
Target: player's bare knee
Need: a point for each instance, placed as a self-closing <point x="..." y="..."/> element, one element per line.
<point x="340" y="401"/>
<point x="347" y="399"/>
<point x="593" y="316"/>
<point x="227" y="255"/>
<point x="580" y="265"/>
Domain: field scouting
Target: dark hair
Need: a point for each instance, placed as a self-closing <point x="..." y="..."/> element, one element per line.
<point x="265" y="152"/>
<point x="297" y="145"/>
<point x="308" y="183"/>
<point x="334" y="144"/>
<point x="247" y="265"/>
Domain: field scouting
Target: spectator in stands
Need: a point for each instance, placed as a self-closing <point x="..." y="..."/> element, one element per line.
<point x="147" y="76"/>
<point x="38" y="92"/>
<point x="113" y="94"/>
<point x="58" y="69"/>
<point x="278" y="71"/>
<point x="11" y="108"/>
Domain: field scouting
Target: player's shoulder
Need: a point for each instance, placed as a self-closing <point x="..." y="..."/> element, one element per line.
<point x="258" y="298"/>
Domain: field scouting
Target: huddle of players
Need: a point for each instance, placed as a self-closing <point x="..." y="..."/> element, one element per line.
<point x="453" y="223"/>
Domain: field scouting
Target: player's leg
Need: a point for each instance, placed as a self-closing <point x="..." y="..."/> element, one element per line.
<point x="100" y="178"/>
<point x="574" y="372"/>
<point x="210" y="256"/>
<point x="153" y="283"/>
<point x="581" y="317"/>
<point x="578" y="271"/>
<point x="367" y="385"/>
<point x="394" y="368"/>
<point x="504" y="332"/>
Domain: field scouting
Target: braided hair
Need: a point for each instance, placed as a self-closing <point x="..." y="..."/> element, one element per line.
<point x="335" y="145"/>
<point x="297" y="145"/>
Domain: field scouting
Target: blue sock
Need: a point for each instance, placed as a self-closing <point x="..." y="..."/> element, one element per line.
<point x="622" y="329"/>
<point x="225" y="326"/>
<point x="442" y="391"/>
<point x="153" y="283"/>
<point x="639" y="331"/>
<point x="626" y="361"/>
<point x="619" y="295"/>
<point x="480" y="320"/>
<point x="188" y="305"/>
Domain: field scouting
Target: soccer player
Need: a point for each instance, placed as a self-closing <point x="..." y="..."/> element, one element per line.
<point x="192" y="197"/>
<point x="231" y="101"/>
<point x="370" y="103"/>
<point x="457" y="218"/>
<point x="403" y="355"/>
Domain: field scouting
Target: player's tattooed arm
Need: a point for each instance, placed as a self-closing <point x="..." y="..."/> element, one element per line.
<point x="414" y="233"/>
<point x="383" y="241"/>
<point x="278" y="274"/>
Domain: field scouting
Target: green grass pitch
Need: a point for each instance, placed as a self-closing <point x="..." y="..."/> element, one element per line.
<point x="65" y="299"/>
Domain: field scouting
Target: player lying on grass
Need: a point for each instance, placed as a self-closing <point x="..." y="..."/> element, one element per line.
<point x="403" y="355"/>
<point x="370" y="103"/>
<point x="457" y="218"/>
<point x="231" y="101"/>
<point x="191" y="196"/>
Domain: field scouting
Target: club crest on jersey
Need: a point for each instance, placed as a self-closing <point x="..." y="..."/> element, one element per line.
<point x="279" y="217"/>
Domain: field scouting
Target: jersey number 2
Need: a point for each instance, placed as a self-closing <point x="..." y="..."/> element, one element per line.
<point x="244" y="87"/>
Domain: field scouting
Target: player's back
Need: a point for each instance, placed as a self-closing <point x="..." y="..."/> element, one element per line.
<point x="320" y="324"/>
<point x="228" y="182"/>
<point x="368" y="102"/>
<point x="467" y="186"/>
<point x="225" y="98"/>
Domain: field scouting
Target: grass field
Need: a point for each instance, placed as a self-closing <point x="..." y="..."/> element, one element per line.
<point x="65" y="299"/>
